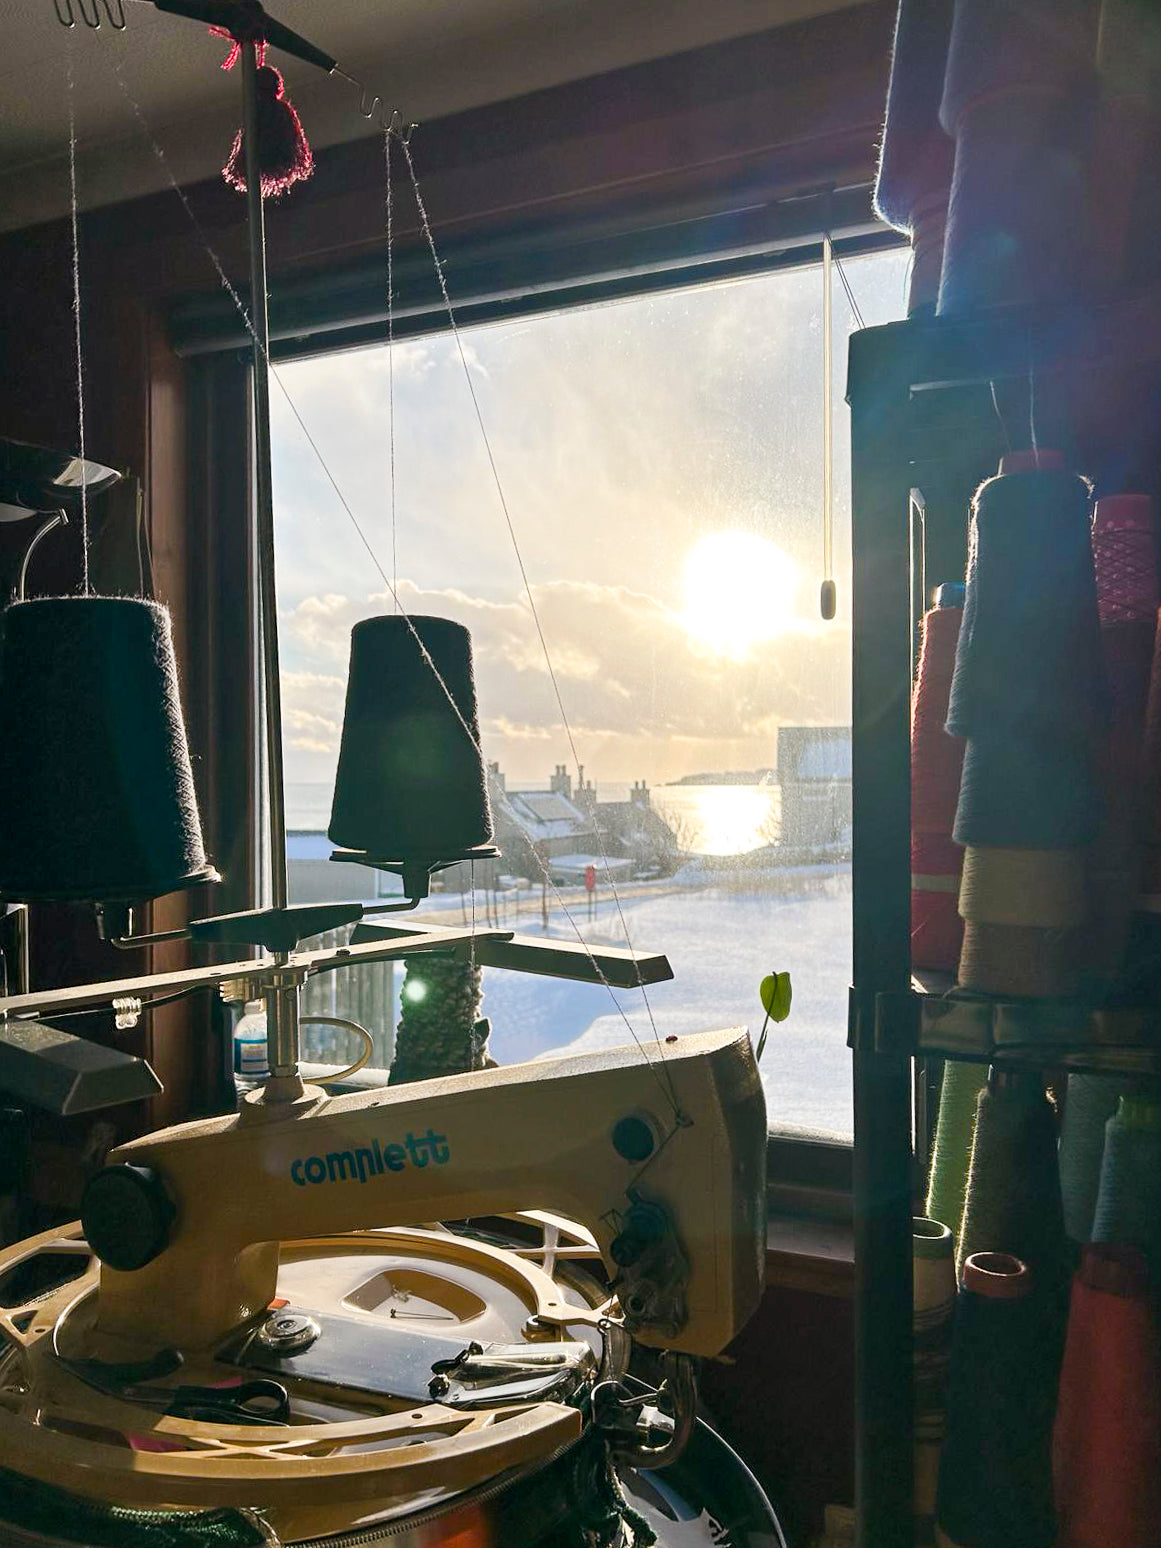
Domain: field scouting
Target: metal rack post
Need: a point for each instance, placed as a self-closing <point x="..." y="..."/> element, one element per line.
<point x="882" y="654"/>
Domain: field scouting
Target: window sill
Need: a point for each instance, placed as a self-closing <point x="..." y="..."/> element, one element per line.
<point x="817" y="1256"/>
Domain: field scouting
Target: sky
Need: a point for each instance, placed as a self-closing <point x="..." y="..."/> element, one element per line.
<point x="659" y="464"/>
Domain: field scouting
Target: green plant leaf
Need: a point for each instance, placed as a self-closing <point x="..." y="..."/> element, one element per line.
<point x="776" y="994"/>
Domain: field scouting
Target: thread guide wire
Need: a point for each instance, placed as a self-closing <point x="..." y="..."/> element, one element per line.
<point x="395" y="127"/>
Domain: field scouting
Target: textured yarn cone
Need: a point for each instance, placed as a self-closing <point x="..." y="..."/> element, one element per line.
<point x="96" y="787"/>
<point x="410" y="781"/>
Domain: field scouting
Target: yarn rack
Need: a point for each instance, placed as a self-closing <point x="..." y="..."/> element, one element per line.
<point x="934" y="404"/>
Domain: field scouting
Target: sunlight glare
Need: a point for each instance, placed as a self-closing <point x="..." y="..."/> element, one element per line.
<point x="739" y="591"/>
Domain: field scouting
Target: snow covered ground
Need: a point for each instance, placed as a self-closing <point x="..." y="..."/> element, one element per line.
<point x="720" y="942"/>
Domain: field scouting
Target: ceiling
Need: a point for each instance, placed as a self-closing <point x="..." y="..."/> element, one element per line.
<point x="429" y="57"/>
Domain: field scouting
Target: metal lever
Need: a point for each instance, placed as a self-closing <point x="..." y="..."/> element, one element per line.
<point x="496" y="1373"/>
<point x="248" y="22"/>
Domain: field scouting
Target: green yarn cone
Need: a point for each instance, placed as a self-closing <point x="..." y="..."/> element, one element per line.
<point x="952" y="1151"/>
<point x="1013" y="1197"/>
<point x="1090" y="1103"/>
<point x="440" y="1029"/>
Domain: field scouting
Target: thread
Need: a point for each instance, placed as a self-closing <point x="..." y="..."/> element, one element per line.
<point x="1106" y="1450"/>
<point x="1044" y="887"/>
<point x="933" y="1288"/>
<point x="995" y="1479"/>
<point x="1128" y="1206"/>
<point x="955" y="1130"/>
<point x="1013" y="1203"/>
<point x="1090" y="1101"/>
<point x="1020" y="961"/>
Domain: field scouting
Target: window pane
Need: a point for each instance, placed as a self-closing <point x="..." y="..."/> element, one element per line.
<point x="661" y="463"/>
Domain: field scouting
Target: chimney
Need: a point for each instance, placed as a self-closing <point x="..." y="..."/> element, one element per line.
<point x="561" y="782"/>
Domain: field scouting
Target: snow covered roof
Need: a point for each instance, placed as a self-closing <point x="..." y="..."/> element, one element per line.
<point x="547" y="814"/>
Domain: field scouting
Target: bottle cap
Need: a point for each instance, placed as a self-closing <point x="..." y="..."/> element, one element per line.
<point x="997" y="1275"/>
<point x="1031" y="460"/>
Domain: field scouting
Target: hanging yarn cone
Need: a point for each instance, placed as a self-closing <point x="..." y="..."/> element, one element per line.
<point x="1128" y="1207"/>
<point x="1015" y="76"/>
<point x="1106" y="1447"/>
<point x="936" y="761"/>
<point x="933" y="1279"/>
<point x="915" y="164"/>
<point x="440" y="1028"/>
<point x="1029" y="695"/>
<point x="1013" y="1198"/>
<point x="955" y="1131"/>
<point x="1090" y="1102"/>
<point x="995" y="1478"/>
<point x="284" y="154"/>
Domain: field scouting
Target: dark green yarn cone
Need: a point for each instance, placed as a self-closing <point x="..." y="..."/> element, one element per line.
<point x="441" y="1031"/>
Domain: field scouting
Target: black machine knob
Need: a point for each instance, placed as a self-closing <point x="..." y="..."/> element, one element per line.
<point x="126" y="1214"/>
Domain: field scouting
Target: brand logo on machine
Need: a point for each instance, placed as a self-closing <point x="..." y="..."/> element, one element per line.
<point x="363" y="1163"/>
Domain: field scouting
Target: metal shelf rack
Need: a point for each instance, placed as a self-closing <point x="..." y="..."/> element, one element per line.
<point x="928" y="400"/>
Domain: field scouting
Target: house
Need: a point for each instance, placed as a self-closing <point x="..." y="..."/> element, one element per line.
<point x="814" y="774"/>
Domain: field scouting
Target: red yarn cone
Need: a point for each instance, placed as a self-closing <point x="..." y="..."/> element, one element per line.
<point x="284" y="155"/>
<point x="1107" y="1443"/>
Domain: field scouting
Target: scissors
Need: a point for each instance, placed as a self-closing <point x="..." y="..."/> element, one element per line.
<point x="260" y="1401"/>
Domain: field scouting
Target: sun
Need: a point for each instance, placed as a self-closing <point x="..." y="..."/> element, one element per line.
<point x="739" y="590"/>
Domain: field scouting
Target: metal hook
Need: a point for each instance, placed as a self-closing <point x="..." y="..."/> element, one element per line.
<point x="91" y="13"/>
<point x="374" y="110"/>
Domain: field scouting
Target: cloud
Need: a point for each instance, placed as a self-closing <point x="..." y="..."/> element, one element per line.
<point x="628" y="674"/>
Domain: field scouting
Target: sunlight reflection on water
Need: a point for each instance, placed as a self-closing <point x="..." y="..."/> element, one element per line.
<point x="721" y="819"/>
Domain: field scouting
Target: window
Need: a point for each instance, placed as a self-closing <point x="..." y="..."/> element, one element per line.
<point x="661" y="459"/>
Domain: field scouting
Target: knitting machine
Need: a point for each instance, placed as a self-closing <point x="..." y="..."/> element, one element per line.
<point x="256" y="1320"/>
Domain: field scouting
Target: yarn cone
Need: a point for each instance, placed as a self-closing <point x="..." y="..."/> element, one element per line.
<point x="995" y="1475"/>
<point x="1128" y="1207"/>
<point x="933" y="1280"/>
<point x="955" y="1131"/>
<point x="1090" y="1102"/>
<point x="1106" y="1451"/>
<point x="1013" y="1203"/>
<point x="440" y="1030"/>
